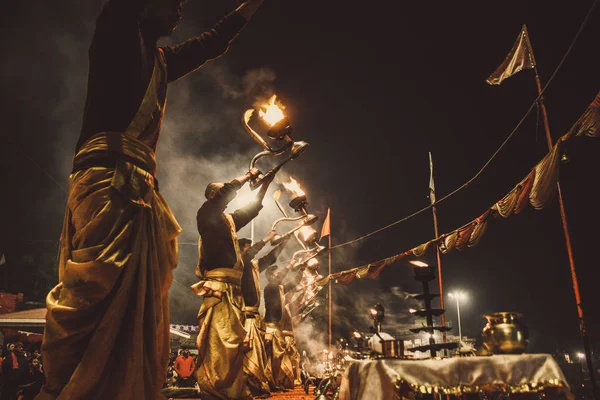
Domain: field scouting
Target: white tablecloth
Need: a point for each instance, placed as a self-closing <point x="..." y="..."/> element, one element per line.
<point x="379" y="379"/>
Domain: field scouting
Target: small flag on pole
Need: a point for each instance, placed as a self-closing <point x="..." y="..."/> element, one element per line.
<point x="326" y="229"/>
<point x="519" y="58"/>
<point x="431" y="183"/>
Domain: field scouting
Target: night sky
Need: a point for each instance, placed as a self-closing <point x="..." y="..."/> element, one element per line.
<point x="373" y="87"/>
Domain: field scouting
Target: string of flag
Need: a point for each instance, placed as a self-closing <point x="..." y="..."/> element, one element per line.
<point x="538" y="188"/>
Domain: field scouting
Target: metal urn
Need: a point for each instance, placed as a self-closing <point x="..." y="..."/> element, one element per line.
<point x="505" y="333"/>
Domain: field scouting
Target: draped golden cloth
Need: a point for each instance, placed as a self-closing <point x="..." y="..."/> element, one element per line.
<point x="281" y="351"/>
<point x="219" y="370"/>
<point x="107" y="326"/>
<point x="256" y="363"/>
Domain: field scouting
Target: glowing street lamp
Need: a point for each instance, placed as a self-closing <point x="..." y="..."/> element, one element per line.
<point x="458" y="295"/>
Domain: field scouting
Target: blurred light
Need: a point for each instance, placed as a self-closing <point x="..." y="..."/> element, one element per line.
<point x="243" y="198"/>
<point x="418" y="263"/>
<point x="459" y="294"/>
<point x="373" y="311"/>
<point x="412" y="310"/>
<point x="581" y="356"/>
<point x="357" y="335"/>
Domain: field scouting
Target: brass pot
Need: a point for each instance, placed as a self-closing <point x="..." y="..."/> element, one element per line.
<point x="505" y="333"/>
<point x="392" y="348"/>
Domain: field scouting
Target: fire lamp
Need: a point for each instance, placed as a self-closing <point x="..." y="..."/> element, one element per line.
<point x="280" y="131"/>
<point x="377" y="313"/>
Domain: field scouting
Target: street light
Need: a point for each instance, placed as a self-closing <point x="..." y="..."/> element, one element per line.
<point x="458" y="295"/>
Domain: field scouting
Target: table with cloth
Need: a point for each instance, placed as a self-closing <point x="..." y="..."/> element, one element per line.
<point x="501" y="374"/>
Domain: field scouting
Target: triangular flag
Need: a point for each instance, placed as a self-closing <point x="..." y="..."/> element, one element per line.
<point x="519" y="58"/>
<point x="326" y="229"/>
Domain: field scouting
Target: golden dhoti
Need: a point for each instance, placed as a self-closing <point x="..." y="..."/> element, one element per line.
<point x="282" y="365"/>
<point x="107" y="327"/>
<point x="256" y="365"/>
<point x="293" y="354"/>
<point x="221" y="335"/>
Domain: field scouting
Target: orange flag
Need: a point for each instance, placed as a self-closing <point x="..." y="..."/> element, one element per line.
<point x="326" y="229"/>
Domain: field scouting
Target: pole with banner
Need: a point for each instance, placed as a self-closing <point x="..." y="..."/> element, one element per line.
<point x="521" y="57"/>
<point x="326" y="231"/>
<point x="437" y="235"/>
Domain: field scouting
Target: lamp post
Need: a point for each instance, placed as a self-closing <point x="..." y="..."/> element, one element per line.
<point x="458" y="296"/>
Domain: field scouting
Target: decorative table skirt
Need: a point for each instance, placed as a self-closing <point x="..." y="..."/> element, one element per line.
<point x="507" y="374"/>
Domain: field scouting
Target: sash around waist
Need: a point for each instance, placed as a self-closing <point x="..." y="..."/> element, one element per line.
<point x="225" y="275"/>
<point x="107" y="148"/>
<point x="250" y="310"/>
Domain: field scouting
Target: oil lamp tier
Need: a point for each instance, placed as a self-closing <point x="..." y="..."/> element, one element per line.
<point x="424" y="274"/>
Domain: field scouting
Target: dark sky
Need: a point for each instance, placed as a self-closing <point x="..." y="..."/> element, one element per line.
<point x="373" y="87"/>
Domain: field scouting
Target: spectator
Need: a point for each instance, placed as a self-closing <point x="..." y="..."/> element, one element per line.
<point x="184" y="366"/>
<point x="14" y="366"/>
<point x="33" y="380"/>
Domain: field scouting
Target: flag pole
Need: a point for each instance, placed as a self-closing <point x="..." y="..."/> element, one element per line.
<point x="437" y="235"/>
<point x="563" y="216"/>
<point x="330" y="308"/>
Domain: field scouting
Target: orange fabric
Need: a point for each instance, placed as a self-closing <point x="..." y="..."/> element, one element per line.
<point x="184" y="366"/>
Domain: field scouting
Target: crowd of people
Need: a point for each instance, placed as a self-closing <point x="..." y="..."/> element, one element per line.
<point x="21" y="372"/>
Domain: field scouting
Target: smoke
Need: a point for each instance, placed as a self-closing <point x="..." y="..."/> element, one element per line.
<point x="202" y="139"/>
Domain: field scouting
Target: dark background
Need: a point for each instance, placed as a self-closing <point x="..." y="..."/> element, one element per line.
<point x="373" y="87"/>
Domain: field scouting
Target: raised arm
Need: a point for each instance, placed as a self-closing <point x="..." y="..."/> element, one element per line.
<point x="295" y="281"/>
<point x="193" y="53"/>
<point x="218" y="198"/>
<point x="244" y="215"/>
<point x="258" y="246"/>
<point x="271" y="257"/>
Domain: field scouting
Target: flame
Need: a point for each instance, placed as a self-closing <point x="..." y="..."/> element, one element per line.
<point x="294" y="187"/>
<point x="412" y="310"/>
<point x="272" y="113"/>
<point x="373" y="311"/>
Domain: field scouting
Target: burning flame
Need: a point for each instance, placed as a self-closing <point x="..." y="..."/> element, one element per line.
<point x="373" y="311"/>
<point x="294" y="187"/>
<point x="272" y="113"/>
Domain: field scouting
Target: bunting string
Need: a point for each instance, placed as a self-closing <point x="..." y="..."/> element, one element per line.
<point x="589" y="126"/>
<point x="537" y="188"/>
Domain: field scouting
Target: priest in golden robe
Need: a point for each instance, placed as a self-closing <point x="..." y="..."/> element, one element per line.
<point x="256" y="363"/>
<point x="107" y="326"/>
<point x="282" y="352"/>
<point x="220" y="268"/>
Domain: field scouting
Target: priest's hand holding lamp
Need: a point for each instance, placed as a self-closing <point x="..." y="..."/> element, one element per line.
<point x="280" y="130"/>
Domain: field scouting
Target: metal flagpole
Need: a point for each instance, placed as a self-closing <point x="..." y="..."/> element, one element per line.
<point x="330" y="308"/>
<point x="563" y="216"/>
<point x="437" y="235"/>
